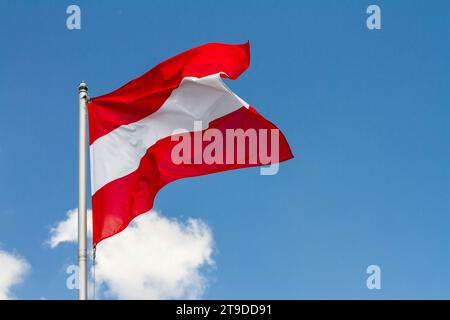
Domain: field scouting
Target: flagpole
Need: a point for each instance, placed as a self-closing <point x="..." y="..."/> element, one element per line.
<point x="82" y="213"/>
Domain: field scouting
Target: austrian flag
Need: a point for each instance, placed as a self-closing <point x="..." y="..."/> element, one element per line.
<point x="177" y="120"/>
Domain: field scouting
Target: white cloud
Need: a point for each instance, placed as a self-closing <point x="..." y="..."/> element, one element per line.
<point x="67" y="230"/>
<point x="153" y="258"/>
<point x="12" y="271"/>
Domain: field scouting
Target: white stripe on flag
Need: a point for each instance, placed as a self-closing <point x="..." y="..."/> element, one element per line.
<point x="119" y="152"/>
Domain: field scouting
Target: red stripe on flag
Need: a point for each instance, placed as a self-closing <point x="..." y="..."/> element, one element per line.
<point x="147" y="93"/>
<point x="121" y="200"/>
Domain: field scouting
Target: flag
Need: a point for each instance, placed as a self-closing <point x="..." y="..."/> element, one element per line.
<point x="177" y="120"/>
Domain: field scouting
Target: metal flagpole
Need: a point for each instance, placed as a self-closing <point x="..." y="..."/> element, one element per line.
<point x="82" y="213"/>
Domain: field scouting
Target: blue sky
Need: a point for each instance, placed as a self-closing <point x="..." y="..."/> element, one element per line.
<point x="366" y="113"/>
